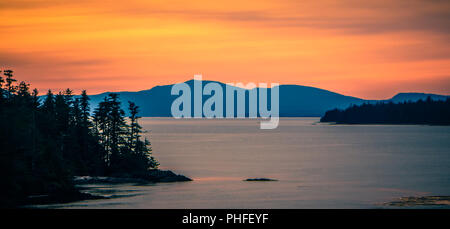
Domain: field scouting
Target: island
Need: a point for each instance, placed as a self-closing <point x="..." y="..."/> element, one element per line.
<point x="425" y="112"/>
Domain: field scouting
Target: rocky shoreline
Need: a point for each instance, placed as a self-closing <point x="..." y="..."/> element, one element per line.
<point x="152" y="176"/>
<point x="260" y="179"/>
<point x="413" y="201"/>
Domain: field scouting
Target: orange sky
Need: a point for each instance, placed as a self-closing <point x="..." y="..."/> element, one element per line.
<point x="368" y="49"/>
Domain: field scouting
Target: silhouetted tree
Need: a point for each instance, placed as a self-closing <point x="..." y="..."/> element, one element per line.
<point x="141" y="149"/>
<point x="134" y="128"/>
<point x="1" y="87"/>
<point x="85" y="109"/>
<point x="10" y="87"/>
<point x="111" y="126"/>
<point x="44" y="144"/>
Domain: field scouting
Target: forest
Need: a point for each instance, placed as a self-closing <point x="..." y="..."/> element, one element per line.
<point x="427" y="112"/>
<point x="44" y="144"/>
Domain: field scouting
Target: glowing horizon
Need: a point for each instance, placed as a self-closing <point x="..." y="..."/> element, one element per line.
<point x="370" y="49"/>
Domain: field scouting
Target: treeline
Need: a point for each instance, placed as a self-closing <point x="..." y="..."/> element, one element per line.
<point x="432" y="112"/>
<point x="43" y="144"/>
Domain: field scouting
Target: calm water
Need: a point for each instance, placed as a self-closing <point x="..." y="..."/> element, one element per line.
<point x="318" y="166"/>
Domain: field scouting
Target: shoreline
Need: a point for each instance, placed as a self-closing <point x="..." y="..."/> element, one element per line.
<point x="75" y="195"/>
<point x="152" y="176"/>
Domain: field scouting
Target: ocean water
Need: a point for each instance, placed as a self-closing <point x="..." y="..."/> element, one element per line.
<point x="316" y="165"/>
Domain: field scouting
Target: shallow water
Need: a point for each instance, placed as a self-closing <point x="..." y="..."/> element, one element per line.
<point x="316" y="165"/>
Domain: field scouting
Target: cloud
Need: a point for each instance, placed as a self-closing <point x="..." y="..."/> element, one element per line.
<point x="36" y="4"/>
<point x="87" y="43"/>
<point x="356" y="17"/>
<point x="46" y="59"/>
<point x="347" y="16"/>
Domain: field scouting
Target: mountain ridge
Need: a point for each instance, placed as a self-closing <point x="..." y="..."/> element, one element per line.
<point x="295" y="100"/>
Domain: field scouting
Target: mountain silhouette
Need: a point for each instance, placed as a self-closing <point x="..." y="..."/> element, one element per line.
<point x="413" y="97"/>
<point x="295" y="100"/>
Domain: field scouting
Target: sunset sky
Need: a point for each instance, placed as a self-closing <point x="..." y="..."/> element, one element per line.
<point x="369" y="49"/>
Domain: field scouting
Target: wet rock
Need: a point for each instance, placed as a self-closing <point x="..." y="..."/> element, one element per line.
<point x="154" y="176"/>
<point x="260" y="179"/>
<point x="420" y="201"/>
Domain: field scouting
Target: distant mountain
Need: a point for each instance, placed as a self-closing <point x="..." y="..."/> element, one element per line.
<point x="413" y="97"/>
<point x="295" y="100"/>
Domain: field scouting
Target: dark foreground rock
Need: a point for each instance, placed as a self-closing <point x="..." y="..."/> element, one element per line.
<point x="260" y="179"/>
<point x="59" y="197"/>
<point x="165" y="176"/>
<point x="66" y="196"/>
<point x="420" y="201"/>
<point x="151" y="176"/>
